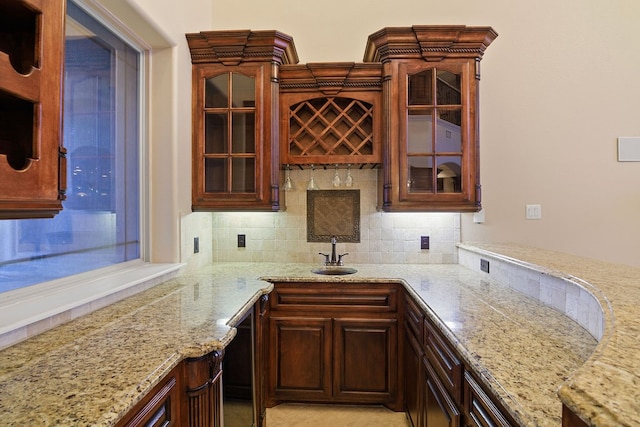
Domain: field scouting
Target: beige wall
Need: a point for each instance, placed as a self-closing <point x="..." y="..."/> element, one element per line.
<point x="559" y="85"/>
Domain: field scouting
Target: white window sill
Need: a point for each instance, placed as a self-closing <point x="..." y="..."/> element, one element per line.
<point x="32" y="310"/>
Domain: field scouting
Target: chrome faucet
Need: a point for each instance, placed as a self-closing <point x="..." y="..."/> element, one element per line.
<point x="335" y="260"/>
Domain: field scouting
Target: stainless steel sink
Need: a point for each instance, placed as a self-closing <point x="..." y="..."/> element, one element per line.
<point x="331" y="270"/>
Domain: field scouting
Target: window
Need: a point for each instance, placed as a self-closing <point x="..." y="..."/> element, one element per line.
<point x="99" y="225"/>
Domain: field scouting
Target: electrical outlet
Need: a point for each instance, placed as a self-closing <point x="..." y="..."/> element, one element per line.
<point x="196" y="245"/>
<point x="242" y="240"/>
<point x="424" y="242"/>
<point x="484" y="265"/>
<point x="533" y="212"/>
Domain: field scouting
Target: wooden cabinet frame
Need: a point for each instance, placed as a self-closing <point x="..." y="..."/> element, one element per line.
<point x="407" y="50"/>
<point x="333" y="343"/>
<point x="253" y="53"/>
<point x="347" y="113"/>
<point x="442" y="390"/>
<point x="32" y="160"/>
<point x="343" y="120"/>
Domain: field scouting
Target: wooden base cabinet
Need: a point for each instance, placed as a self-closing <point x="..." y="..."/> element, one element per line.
<point x="161" y="407"/>
<point x="430" y="393"/>
<point x="440" y="410"/>
<point x="203" y="387"/>
<point x="439" y="389"/>
<point x="365" y="360"/>
<point x="479" y="407"/>
<point x="413" y="380"/>
<point x="190" y="395"/>
<point x="301" y="354"/>
<point x="316" y="354"/>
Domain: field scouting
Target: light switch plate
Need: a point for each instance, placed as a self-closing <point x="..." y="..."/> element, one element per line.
<point x="629" y="149"/>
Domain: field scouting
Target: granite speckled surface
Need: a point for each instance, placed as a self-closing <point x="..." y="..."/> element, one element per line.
<point x="604" y="391"/>
<point x="91" y="371"/>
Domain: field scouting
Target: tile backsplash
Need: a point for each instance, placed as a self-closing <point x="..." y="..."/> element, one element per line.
<point x="566" y="294"/>
<point x="384" y="237"/>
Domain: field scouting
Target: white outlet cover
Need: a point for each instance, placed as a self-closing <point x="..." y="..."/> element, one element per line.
<point x="478" y="217"/>
<point x="533" y="212"/>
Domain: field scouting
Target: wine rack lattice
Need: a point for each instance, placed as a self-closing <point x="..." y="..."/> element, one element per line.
<point x="333" y="126"/>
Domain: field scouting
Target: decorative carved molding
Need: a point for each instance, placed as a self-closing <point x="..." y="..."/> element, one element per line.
<point x="235" y="47"/>
<point x="429" y="42"/>
<point x="264" y="304"/>
<point x="330" y="78"/>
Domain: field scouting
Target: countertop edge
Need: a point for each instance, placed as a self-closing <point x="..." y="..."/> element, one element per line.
<point x="580" y="400"/>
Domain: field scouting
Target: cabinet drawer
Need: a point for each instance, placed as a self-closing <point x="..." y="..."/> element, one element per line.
<point x="334" y="297"/>
<point x="160" y="408"/>
<point x="444" y="360"/>
<point x="440" y="409"/>
<point x="479" y="409"/>
<point x="414" y="318"/>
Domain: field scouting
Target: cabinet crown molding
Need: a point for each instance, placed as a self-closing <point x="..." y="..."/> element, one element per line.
<point x="237" y="46"/>
<point x="429" y="42"/>
<point x="330" y="78"/>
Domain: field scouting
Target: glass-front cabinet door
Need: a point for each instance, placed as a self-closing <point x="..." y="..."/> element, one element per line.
<point x="230" y="134"/>
<point x="432" y="152"/>
<point x="235" y="104"/>
<point x="431" y="76"/>
<point x="228" y="144"/>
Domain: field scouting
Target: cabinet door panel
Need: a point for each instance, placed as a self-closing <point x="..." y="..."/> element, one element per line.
<point x="479" y="409"/>
<point x="159" y="409"/>
<point x="444" y="360"/>
<point x="32" y="159"/>
<point x="413" y="378"/>
<point x="300" y="358"/>
<point x="366" y="359"/>
<point x="440" y="409"/>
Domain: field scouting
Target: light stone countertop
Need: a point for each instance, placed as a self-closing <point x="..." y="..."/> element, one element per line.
<point x="92" y="370"/>
<point x="604" y="391"/>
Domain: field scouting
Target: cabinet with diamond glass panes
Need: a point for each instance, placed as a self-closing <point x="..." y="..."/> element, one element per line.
<point x="431" y="152"/>
<point x="32" y="159"/>
<point x="331" y="114"/>
<point x="234" y="97"/>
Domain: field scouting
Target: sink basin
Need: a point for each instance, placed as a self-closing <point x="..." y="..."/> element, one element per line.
<point x="330" y="270"/>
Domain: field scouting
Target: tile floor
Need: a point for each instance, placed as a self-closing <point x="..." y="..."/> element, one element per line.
<point x="293" y="415"/>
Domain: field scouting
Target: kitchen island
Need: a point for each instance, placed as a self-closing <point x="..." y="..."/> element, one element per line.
<point x="93" y="370"/>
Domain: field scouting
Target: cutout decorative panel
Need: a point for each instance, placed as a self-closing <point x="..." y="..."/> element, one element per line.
<point x="333" y="213"/>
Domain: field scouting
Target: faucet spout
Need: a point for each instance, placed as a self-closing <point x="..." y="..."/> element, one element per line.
<point x="334" y="259"/>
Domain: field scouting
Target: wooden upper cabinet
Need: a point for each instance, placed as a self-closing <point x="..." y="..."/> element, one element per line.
<point x="32" y="159"/>
<point x="331" y="113"/>
<point x="430" y="93"/>
<point x="235" y="103"/>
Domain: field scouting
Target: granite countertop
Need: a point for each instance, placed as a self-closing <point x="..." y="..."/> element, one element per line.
<point x="92" y="370"/>
<point x="604" y="391"/>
